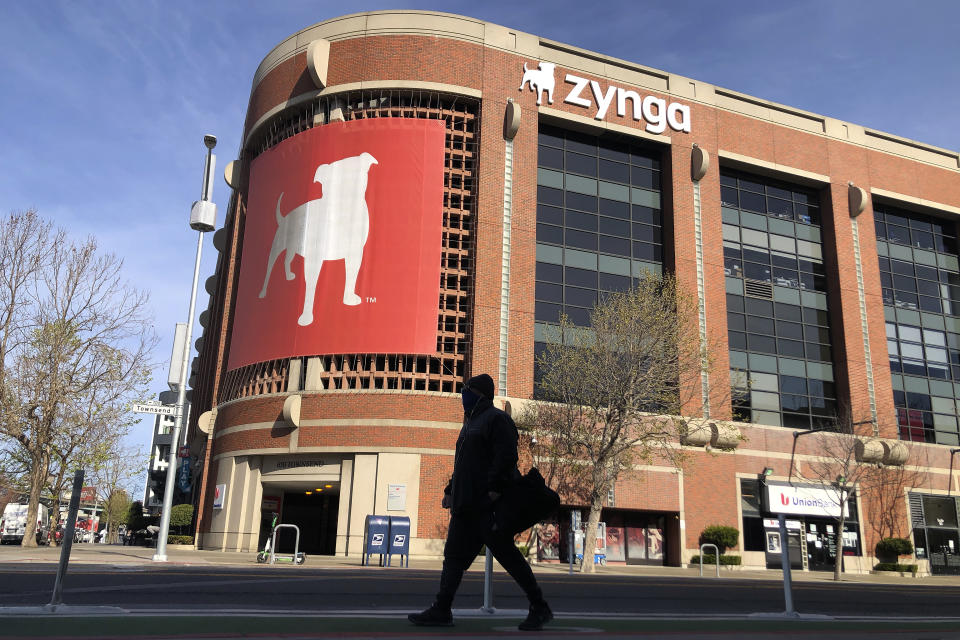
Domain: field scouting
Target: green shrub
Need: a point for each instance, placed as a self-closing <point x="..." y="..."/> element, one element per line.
<point x="134" y="519"/>
<point x="893" y="548"/>
<point x="893" y="566"/>
<point x="181" y="515"/>
<point x="725" y="560"/>
<point x="179" y="539"/>
<point x="723" y="536"/>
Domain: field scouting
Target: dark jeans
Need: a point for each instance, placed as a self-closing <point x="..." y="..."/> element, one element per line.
<point x="467" y="533"/>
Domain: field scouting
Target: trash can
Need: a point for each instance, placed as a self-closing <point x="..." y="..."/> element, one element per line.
<point x="376" y="538"/>
<point x="399" y="539"/>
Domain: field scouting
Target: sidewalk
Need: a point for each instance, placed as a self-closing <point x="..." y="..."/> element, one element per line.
<point x="86" y="555"/>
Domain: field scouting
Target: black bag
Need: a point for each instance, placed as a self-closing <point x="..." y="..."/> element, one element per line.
<point x="528" y="501"/>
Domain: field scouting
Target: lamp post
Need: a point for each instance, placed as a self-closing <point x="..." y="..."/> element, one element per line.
<point x="953" y="452"/>
<point x="793" y="450"/>
<point x="203" y="217"/>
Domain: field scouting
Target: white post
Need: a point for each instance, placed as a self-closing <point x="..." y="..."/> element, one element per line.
<point x="785" y="565"/>
<point x="488" y="583"/>
<point x="161" y="554"/>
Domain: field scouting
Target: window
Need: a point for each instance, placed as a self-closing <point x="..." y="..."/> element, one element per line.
<point x="920" y="280"/>
<point x="599" y="222"/>
<point x="778" y="321"/>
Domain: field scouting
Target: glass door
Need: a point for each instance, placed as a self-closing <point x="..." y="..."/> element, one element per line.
<point x="645" y="543"/>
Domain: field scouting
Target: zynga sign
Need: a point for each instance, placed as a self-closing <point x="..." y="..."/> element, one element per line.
<point x="342" y="242"/>
<point x="656" y="112"/>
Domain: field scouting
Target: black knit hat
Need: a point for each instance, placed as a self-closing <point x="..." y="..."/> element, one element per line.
<point x="482" y="385"/>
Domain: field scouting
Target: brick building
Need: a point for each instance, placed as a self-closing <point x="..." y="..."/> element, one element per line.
<point x="823" y="254"/>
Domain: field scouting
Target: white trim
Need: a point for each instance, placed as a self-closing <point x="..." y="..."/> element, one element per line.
<point x="283" y="451"/>
<point x="920" y="202"/>
<point x="864" y="325"/>
<point x="773" y="166"/>
<point x="505" y="265"/>
<point x="701" y="299"/>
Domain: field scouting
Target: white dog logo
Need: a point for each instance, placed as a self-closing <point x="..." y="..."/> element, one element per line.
<point x="540" y="80"/>
<point x="333" y="227"/>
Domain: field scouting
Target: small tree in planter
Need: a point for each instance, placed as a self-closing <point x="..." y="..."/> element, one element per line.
<point x="181" y="516"/>
<point x="889" y="550"/>
<point x="723" y="536"/>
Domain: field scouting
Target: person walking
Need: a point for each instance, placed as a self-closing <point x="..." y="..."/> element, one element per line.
<point x="485" y="464"/>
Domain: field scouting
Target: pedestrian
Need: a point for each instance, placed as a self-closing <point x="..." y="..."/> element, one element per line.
<point x="485" y="464"/>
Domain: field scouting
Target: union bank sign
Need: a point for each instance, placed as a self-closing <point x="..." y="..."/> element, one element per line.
<point x="809" y="500"/>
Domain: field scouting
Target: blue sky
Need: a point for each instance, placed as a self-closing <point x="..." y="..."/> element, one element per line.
<point x="104" y="104"/>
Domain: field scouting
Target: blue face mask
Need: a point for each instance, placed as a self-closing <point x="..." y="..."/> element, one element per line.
<point x="470" y="399"/>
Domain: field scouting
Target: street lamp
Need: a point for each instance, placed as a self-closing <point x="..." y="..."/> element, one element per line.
<point x="953" y="452"/>
<point x="203" y="216"/>
<point x="793" y="450"/>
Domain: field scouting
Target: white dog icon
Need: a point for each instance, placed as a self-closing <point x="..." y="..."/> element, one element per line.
<point x="540" y="80"/>
<point x="333" y="227"/>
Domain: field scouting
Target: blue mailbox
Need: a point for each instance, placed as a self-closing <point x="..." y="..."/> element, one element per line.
<point x="376" y="538"/>
<point x="399" y="539"/>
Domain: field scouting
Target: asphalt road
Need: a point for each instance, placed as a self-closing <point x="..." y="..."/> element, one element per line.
<point x="260" y="589"/>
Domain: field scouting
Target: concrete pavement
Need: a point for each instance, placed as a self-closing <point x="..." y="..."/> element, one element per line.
<point x="87" y="554"/>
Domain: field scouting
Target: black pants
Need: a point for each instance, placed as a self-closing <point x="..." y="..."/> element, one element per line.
<point x="467" y="533"/>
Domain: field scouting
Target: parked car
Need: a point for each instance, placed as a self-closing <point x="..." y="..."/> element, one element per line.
<point x="14" y="523"/>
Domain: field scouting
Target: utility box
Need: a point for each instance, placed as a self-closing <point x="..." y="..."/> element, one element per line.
<point x="399" y="539"/>
<point x="376" y="538"/>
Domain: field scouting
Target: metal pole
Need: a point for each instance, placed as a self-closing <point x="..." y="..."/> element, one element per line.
<point x="161" y="555"/>
<point x="201" y="225"/>
<point x="57" y="597"/>
<point x="488" y="583"/>
<point x="785" y="564"/>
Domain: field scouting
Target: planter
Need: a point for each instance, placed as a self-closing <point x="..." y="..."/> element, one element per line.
<point x="902" y="574"/>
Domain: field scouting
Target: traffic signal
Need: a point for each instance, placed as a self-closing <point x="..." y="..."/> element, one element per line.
<point x="158" y="482"/>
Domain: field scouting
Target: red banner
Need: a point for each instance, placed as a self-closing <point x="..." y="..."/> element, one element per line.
<point x="342" y="243"/>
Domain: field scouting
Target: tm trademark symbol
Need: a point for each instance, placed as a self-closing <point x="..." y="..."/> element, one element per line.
<point x="371" y="299"/>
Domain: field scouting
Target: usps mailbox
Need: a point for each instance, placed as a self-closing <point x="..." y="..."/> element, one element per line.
<point x="399" y="539"/>
<point x="376" y="538"/>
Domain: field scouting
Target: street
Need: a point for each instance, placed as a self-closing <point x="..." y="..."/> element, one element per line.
<point x="308" y="589"/>
<point x="212" y="594"/>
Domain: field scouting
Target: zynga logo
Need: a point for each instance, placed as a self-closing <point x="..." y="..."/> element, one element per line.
<point x="357" y="209"/>
<point x="784" y="500"/>
<point x="334" y="227"/>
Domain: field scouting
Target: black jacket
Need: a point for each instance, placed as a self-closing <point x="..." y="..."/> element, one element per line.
<point x="486" y="458"/>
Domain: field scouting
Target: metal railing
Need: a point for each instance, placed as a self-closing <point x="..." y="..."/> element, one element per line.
<point x="716" y="553"/>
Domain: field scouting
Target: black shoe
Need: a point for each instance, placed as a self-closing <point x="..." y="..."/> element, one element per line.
<point x="539" y="615"/>
<point x="432" y="617"/>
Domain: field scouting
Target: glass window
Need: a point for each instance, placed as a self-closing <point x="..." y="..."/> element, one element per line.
<point x="592" y="220"/>
<point x="760" y="211"/>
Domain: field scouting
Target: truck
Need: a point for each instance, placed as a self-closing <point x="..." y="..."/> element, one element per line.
<point x="14" y="523"/>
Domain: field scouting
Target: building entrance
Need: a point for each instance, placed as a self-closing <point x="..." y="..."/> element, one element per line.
<point x="316" y="515"/>
<point x="936" y="534"/>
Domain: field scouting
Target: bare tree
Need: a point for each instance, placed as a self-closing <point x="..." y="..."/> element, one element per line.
<point x="615" y="392"/>
<point x="112" y="479"/>
<point x="75" y="346"/>
<point x="885" y="488"/>
<point x="841" y="467"/>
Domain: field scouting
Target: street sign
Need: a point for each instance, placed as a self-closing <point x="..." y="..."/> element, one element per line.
<point x="160" y="409"/>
